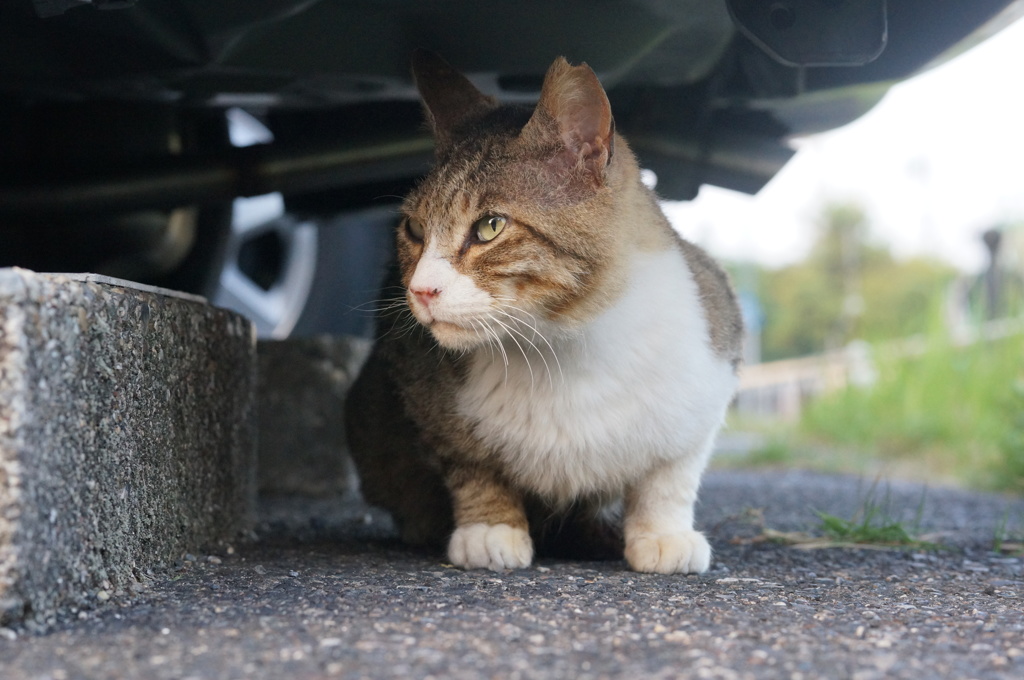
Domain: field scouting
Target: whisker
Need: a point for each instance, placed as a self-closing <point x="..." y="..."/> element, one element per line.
<point x="441" y="355"/>
<point x="521" y="311"/>
<point x="497" y="341"/>
<point x="402" y="321"/>
<point x="399" y="328"/>
<point x="536" y="334"/>
<point x="538" y="350"/>
<point x="512" y="335"/>
<point x="533" y="324"/>
<point x="490" y="343"/>
<point x="388" y="301"/>
<point x="408" y="328"/>
<point x="380" y="305"/>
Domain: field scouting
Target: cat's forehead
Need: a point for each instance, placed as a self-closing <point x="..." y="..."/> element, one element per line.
<point x="479" y="165"/>
<point x="464" y="184"/>
<point x="489" y="168"/>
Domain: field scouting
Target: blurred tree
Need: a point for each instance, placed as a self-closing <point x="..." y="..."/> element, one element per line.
<point x="847" y="288"/>
<point x="903" y="297"/>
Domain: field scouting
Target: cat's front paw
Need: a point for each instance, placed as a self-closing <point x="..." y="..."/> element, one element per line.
<point x="685" y="552"/>
<point x="490" y="546"/>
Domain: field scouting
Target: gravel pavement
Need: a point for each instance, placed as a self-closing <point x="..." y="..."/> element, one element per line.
<point x="326" y="592"/>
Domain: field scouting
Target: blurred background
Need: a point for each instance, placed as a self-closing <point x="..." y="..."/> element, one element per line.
<point x="882" y="277"/>
<point x="256" y="153"/>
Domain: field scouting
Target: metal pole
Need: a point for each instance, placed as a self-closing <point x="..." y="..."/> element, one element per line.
<point x="249" y="171"/>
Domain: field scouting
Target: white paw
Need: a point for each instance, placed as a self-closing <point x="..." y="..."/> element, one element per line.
<point x="685" y="552"/>
<point x="490" y="546"/>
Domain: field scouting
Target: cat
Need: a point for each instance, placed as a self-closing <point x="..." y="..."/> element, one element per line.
<point x="559" y="361"/>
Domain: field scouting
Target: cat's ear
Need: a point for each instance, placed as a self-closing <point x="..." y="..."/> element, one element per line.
<point x="574" y="108"/>
<point x="448" y="96"/>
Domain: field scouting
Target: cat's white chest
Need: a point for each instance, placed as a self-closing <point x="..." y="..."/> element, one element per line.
<point x="638" y="385"/>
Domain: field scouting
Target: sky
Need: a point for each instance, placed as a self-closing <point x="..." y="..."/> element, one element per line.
<point x="936" y="162"/>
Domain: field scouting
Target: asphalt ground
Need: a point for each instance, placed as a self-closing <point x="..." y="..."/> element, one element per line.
<point x="325" y="591"/>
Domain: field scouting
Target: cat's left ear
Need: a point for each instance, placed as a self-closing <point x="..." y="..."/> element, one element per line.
<point x="574" y="106"/>
<point x="449" y="98"/>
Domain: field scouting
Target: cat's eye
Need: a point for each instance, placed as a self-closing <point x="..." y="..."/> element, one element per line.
<point x="415" y="228"/>
<point x="489" y="227"/>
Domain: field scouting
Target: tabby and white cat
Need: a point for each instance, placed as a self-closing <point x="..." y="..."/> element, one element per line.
<point x="559" y="356"/>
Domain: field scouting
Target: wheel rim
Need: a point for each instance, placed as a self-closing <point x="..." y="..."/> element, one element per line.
<point x="272" y="297"/>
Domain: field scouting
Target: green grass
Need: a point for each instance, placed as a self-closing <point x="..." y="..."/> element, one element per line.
<point x="772" y="452"/>
<point x="887" y="532"/>
<point x="785" y="446"/>
<point x="870" y="527"/>
<point x="1005" y="542"/>
<point x="954" y="412"/>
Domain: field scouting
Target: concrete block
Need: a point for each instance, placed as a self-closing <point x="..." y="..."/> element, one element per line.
<point x="301" y="394"/>
<point x="126" y="435"/>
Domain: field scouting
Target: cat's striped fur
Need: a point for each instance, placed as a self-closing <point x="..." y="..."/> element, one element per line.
<point x="565" y="378"/>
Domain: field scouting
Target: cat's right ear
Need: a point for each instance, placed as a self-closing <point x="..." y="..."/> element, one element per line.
<point x="448" y="97"/>
<point x="574" y="112"/>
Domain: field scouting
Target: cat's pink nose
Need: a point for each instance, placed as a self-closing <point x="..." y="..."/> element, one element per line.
<point x="425" y="295"/>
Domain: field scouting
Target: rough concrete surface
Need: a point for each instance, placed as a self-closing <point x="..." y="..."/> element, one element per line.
<point x="302" y="385"/>
<point x="326" y="592"/>
<point x="126" y="437"/>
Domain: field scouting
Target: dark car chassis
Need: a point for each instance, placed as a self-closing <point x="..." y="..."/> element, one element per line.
<point x="116" y="155"/>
